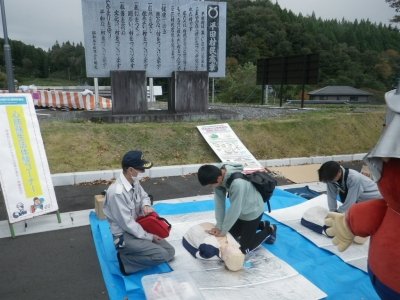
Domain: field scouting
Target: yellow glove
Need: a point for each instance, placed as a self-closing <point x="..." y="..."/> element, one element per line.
<point x="342" y="236"/>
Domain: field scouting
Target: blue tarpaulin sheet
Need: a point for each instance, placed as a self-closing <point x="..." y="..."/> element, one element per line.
<point x="304" y="192"/>
<point x="327" y="271"/>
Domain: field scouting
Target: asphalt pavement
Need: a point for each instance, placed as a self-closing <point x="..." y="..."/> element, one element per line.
<point x="63" y="264"/>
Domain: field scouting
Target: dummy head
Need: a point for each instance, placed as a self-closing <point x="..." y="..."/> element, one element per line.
<point x="231" y="253"/>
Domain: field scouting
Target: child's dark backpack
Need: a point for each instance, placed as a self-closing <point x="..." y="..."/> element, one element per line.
<point x="263" y="182"/>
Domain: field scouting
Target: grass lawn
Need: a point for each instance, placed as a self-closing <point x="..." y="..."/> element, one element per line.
<point x="87" y="146"/>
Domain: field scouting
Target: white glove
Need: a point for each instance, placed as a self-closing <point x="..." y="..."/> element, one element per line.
<point x="342" y="236"/>
<point x="360" y="240"/>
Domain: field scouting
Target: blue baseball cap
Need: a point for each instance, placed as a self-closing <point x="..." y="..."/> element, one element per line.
<point x="135" y="160"/>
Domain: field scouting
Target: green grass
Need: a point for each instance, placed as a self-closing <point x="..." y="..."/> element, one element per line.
<point x="85" y="146"/>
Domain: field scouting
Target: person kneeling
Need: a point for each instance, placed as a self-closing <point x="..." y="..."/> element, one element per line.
<point x="125" y="201"/>
<point x="243" y="218"/>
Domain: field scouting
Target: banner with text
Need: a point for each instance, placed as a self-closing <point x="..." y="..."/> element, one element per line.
<point x="24" y="171"/>
<point x="228" y="147"/>
<point x="158" y="36"/>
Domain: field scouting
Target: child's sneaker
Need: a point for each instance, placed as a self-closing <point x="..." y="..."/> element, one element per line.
<point x="272" y="237"/>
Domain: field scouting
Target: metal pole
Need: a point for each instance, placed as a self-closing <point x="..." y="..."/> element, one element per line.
<point x="12" y="231"/>
<point x="262" y="94"/>
<point x="7" y="52"/>
<point x="213" y="91"/>
<point x="58" y="216"/>
<point x="96" y="94"/>
<point x="151" y="89"/>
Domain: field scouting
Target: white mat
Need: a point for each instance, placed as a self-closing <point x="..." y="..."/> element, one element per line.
<point x="355" y="255"/>
<point x="265" y="276"/>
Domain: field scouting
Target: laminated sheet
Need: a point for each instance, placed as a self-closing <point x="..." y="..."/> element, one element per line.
<point x="356" y="255"/>
<point x="264" y="276"/>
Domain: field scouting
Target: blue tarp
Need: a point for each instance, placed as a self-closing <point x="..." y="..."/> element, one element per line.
<point x="304" y="192"/>
<point x="327" y="271"/>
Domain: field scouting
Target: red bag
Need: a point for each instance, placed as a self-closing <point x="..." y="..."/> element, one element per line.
<point x="153" y="223"/>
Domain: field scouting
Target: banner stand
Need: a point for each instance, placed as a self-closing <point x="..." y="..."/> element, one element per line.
<point x="58" y="216"/>
<point x="12" y="231"/>
<point x="29" y="191"/>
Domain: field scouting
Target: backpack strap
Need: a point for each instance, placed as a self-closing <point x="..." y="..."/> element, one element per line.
<point x="343" y="194"/>
<point x="346" y="175"/>
<point x="235" y="176"/>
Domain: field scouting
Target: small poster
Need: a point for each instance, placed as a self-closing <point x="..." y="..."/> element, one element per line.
<point x="228" y="147"/>
<point x="24" y="171"/>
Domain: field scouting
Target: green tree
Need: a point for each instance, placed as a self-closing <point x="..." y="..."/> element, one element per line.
<point x="396" y="5"/>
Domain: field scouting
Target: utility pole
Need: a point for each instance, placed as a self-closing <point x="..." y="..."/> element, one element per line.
<point x="7" y="52"/>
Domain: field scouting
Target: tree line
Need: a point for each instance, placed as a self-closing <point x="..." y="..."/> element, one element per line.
<point x="356" y="53"/>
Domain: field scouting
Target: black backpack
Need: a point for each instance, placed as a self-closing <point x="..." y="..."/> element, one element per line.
<point x="263" y="182"/>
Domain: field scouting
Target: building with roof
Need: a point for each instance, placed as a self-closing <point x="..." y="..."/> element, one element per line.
<point x="340" y="93"/>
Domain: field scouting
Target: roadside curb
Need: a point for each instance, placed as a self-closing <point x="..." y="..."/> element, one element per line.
<point x="61" y="179"/>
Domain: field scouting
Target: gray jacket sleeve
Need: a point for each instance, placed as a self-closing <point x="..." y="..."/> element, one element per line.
<point x="144" y="196"/>
<point x="354" y="190"/>
<point x="237" y="196"/>
<point x="219" y="196"/>
<point x="122" y="216"/>
<point x="359" y="188"/>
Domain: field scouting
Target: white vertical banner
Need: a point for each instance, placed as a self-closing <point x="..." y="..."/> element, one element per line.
<point x="228" y="147"/>
<point x="24" y="171"/>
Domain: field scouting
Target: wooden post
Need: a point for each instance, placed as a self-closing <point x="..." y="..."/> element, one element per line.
<point x="189" y="91"/>
<point x="128" y="90"/>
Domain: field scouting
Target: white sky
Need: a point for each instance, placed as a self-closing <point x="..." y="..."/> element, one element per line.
<point x="43" y="22"/>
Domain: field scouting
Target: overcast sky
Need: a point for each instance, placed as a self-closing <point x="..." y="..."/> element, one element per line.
<point x="43" y="22"/>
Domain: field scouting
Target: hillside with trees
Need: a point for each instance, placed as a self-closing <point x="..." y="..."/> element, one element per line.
<point x="360" y="53"/>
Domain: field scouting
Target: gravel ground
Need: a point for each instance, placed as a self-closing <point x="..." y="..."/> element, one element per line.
<point x="251" y="112"/>
<point x="247" y="112"/>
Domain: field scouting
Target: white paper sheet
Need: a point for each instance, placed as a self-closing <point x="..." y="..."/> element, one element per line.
<point x="356" y="255"/>
<point x="265" y="276"/>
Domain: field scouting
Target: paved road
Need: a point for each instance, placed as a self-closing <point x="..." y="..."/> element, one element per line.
<point x="63" y="264"/>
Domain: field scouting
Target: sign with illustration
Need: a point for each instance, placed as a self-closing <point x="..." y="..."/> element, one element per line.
<point x="24" y="171"/>
<point x="228" y="147"/>
<point x="158" y="36"/>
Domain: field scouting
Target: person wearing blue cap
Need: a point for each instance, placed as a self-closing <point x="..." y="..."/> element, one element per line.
<point x="126" y="200"/>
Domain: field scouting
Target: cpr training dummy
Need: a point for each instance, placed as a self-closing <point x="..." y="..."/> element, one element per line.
<point x="203" y="245"/>
<point x="376" y="218"/>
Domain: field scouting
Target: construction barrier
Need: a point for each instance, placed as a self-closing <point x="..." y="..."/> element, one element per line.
<point x="72" y="100"/>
